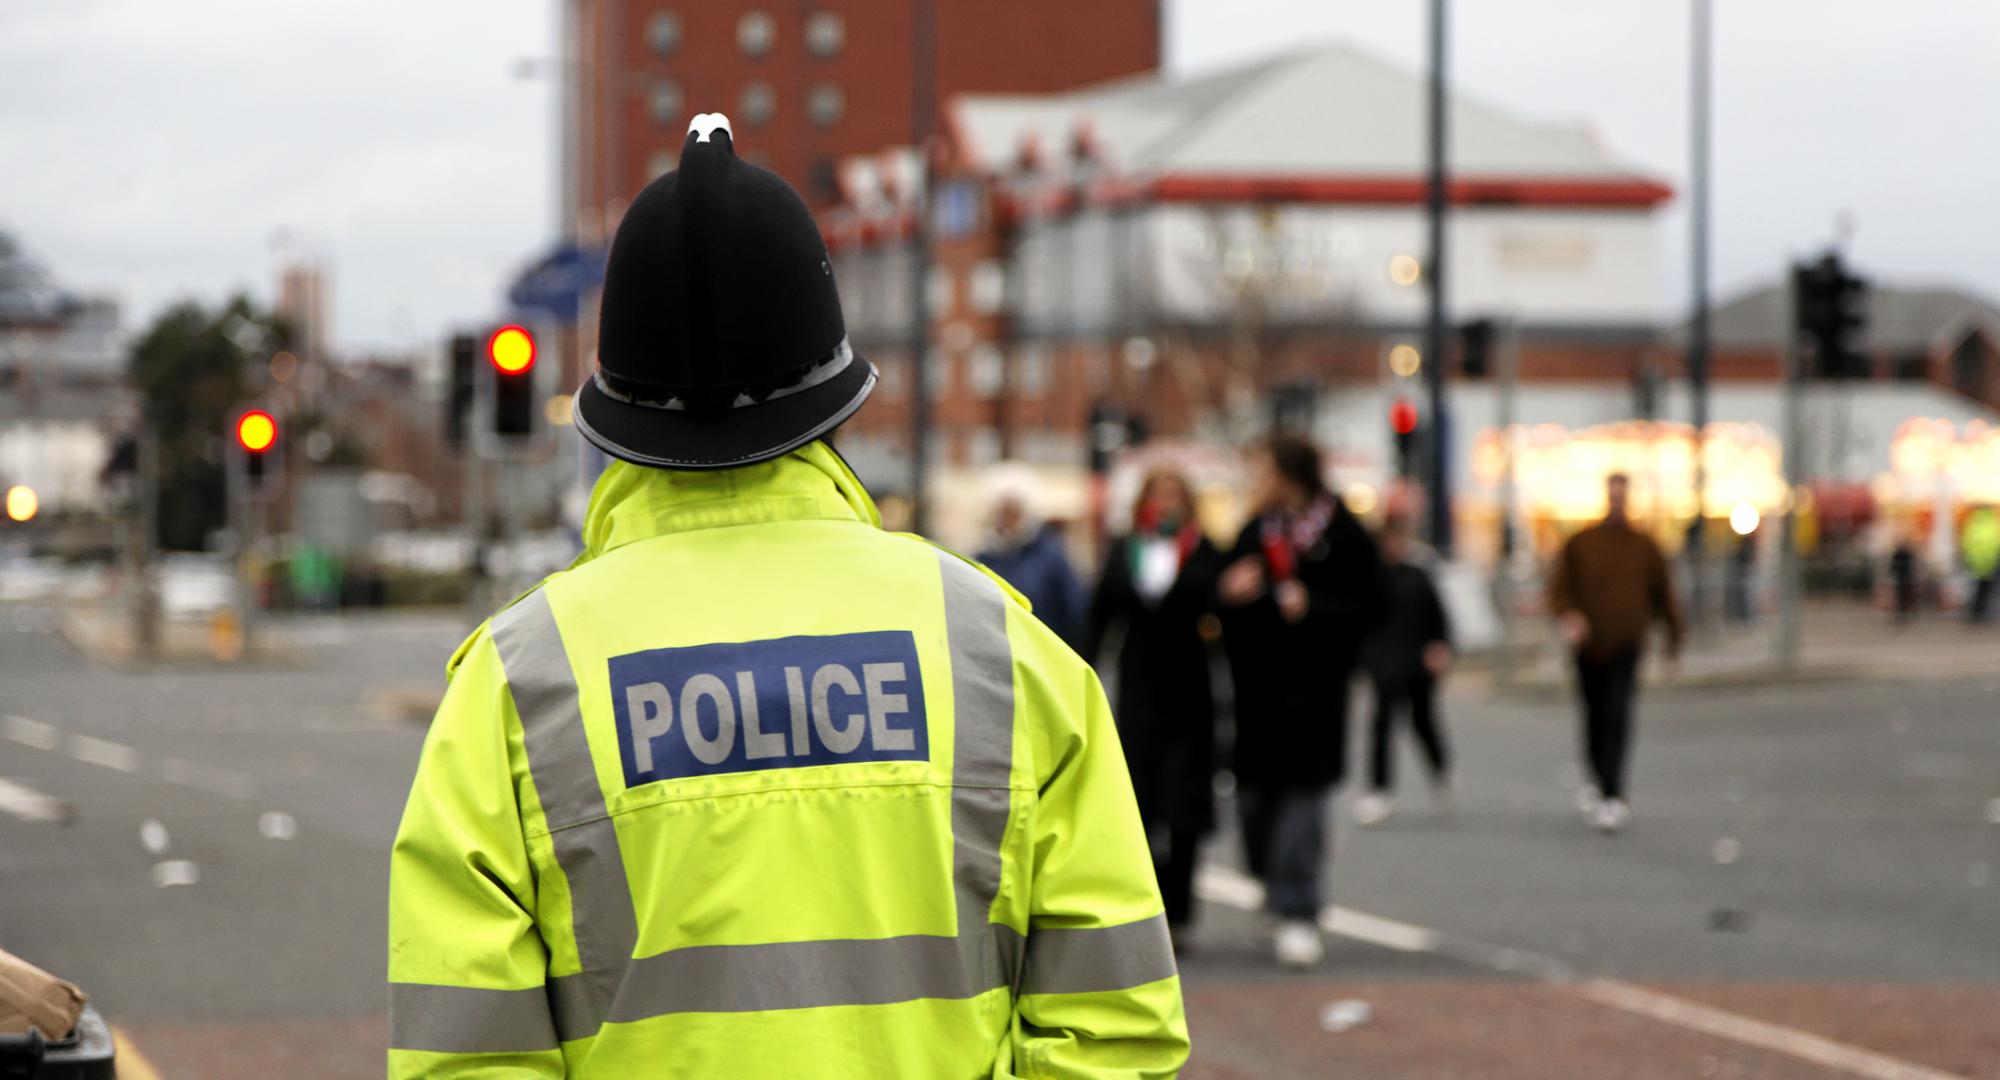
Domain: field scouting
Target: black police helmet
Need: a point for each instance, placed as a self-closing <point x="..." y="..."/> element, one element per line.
<point x="720" y="340"/>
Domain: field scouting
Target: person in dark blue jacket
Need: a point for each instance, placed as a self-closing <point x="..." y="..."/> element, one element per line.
<point x="1028" y="553"/>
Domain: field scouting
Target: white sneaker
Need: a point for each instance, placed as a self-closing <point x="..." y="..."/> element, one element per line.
<point x="1371" y="809"/>
<point x="1611" y="816"/>
<point x="1588" y="801"/>
<point x="1297" y="944"/>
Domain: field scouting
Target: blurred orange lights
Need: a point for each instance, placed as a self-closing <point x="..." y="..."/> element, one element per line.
<point x="512" y="350"/>
<point x="256" y="430"/>
<point x="22" y="503"/>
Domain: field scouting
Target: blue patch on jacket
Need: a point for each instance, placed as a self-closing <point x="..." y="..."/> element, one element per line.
<point x="778" y="704"/>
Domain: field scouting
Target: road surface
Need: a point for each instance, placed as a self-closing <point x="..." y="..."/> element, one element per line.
<point x="1807" y="890"/>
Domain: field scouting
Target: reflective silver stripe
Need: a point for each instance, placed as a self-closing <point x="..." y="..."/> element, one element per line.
<point x="982" y="694"/>
<point x="796" y="975"/>
<point x="1098" y="959"/>
<point x="466" y="1020"/>
<point x="585" y="841"/>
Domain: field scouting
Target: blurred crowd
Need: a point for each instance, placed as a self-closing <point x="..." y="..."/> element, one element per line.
<point x="1231" y="665"/>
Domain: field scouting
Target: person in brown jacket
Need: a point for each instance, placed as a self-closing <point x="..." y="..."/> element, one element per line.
<point x="1610" y="583"/>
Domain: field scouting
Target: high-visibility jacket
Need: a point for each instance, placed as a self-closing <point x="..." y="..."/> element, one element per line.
<point x="757" y="789"/>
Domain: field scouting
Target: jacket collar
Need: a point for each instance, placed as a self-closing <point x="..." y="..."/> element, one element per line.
<point x="631" y="502"/>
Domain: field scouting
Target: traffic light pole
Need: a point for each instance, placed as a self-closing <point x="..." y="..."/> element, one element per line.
<point x="1439" y="479"/>
<point x="1787" y="643"/>
<point x="243" y="530"/>
<point x="1698" y="343"/>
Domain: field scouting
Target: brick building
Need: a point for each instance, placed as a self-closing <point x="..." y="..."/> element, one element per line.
<point x="806" y="83"/>
<point x="1197" y="251"/>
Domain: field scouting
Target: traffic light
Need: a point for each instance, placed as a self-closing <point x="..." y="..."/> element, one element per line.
<point x="257" y="435"/>
<point x="1476" y="348"/>
<point x="461" y="391"/>
<point x="1403" y="424"/>
<point x="1829" y="304"/>
<point x="511" y="351"/>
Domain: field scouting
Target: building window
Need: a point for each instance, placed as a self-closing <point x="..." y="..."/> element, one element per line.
<point x="661" y="163"/>
<point x="824" y="104"/>
<point x="1031" y="364"/>
<point x="825" y="33"/>
<point x="667" y="103"/>
<point x="759" y="102"/>
<point x="663" y="34"/>
<point x="988" y="286"/>
<point x="957" y="209"/>
<point x="938" y="290"/>
<point x="987" y="369"/>
<point x="755" y="33"/>
<point x="982" y="447"/>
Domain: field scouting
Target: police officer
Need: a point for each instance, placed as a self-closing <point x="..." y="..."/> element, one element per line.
<point x="755" y="788"/>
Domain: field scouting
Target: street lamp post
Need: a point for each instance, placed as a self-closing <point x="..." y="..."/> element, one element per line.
<point x="1434" y="269"/>
<point x="923" y="93"/>
<point x="1698" y="343"/>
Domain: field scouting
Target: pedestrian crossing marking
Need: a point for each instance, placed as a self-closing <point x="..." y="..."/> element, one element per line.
<point x="27" y="804"/>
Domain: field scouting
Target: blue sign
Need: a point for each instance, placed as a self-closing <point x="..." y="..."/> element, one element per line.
<point x="555" y="285"/>
<point x="779" y="704"/>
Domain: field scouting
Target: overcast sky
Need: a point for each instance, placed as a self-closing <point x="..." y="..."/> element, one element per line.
<point x="156" y="149"/>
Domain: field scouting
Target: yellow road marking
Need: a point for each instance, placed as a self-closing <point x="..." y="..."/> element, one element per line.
<point x="132" y="1065"/>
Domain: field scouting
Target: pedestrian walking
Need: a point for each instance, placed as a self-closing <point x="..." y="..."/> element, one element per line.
<point x="1300" y="589"/>
<point x="1610" y="584"/>
<point x="1157" y="588"/>
<point x="1979" y="542"/>
<point x="1028" y="552"/>
<point x="755" y="788"/>
<point x="1903" y="580"/>
<point x="1406" y="656"/>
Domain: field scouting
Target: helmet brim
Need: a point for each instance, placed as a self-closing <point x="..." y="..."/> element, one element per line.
<point x="720" y="439"/>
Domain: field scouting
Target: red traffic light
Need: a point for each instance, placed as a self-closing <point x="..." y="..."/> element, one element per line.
<point x="256" y="430"/>
<point x="511" y="350"/>
<point x="1402" y="416"/>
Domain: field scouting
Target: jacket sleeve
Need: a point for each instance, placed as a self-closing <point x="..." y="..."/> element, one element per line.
<point x="1665" y="602"/>
<point x="1100" y="995"/>
<point x="1104" y="603"/>
<point x="466" y="965"/>
<point x="1561" y="597"/>
<point x="1348" y="588"/>
<point x="1439" y="618"/>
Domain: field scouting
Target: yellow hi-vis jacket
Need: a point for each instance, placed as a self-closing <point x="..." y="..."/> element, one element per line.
<point x="757" y="789"/>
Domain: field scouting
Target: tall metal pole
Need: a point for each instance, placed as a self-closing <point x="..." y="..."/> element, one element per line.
<point x="1698" y="343"/>
<point x="1439" y="479"/>
<point x="1787" y="645"/>
<point x="923" y="95"/>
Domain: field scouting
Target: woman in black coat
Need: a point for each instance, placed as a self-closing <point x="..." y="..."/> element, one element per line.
<point x="1157" y="587"/>
<point x="1299" y="591"/>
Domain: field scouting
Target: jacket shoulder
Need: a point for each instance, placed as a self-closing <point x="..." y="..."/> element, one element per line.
<point x="485" y="629"/>
<point x="1006" y="589"/>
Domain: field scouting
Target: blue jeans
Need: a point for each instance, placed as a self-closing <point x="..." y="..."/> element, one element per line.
<point x="1284" y="841"/>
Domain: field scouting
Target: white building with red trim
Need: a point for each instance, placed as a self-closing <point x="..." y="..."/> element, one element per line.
<point x="1203" y="252"/>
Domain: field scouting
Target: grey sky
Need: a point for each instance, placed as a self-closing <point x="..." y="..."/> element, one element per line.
<point x="153" y="149"/>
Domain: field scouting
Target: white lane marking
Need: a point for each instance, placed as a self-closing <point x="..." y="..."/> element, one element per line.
<point x="1387" y="933"/>
<point x="175" y="872"/>
<point x="1233" y="888"/>
<point x="1229" y="887"/>
<point x="206" y="777"/>
<point x="26" y="803"/>
<point x="278" y="825"/>
<point x="95" y="751"/>
<point x="33" y="733"/>
<point x="154" y="837"/>
<point x="1736" y="1028"/>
